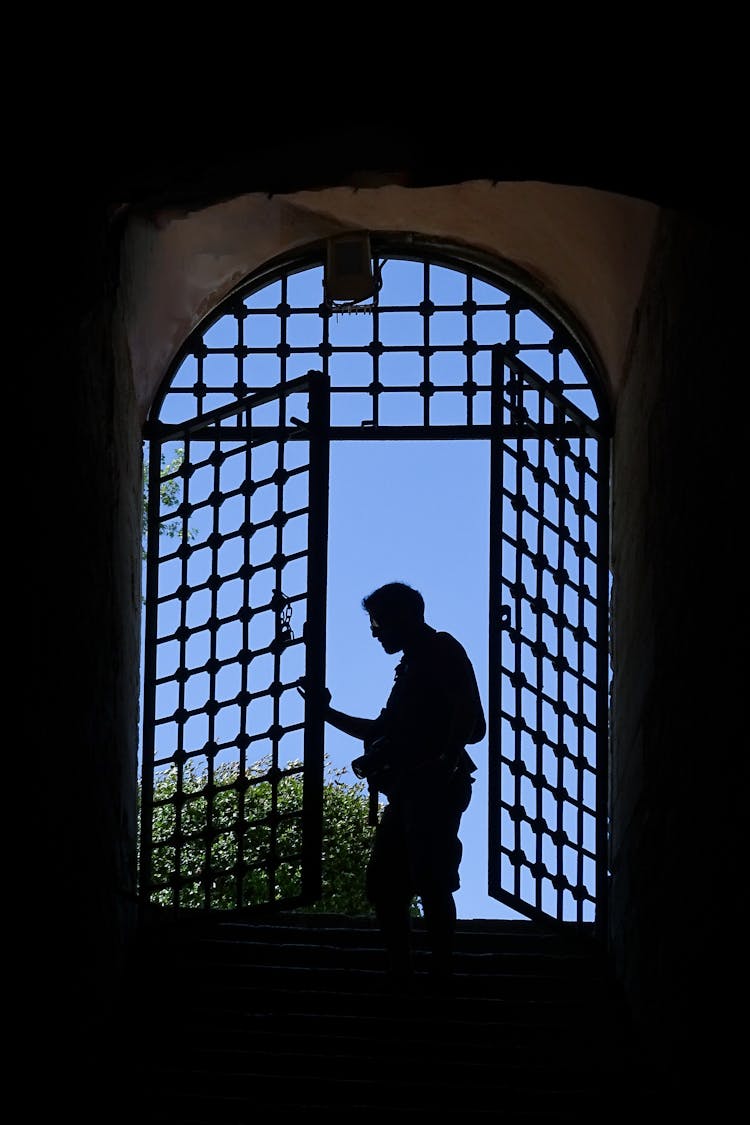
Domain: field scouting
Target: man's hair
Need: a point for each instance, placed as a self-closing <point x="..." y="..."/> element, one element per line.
<point x="395" y="601"/>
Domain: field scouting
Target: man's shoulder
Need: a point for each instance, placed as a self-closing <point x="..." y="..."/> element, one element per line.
<point x="449" y="649"/>
<point x="447" y="641"/>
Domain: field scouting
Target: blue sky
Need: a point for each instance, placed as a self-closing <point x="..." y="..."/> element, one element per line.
<point x="413" y="512"/>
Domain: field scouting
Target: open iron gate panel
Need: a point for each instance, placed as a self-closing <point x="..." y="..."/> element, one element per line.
<point x="232" y="778"/>
<point x="548" y="651"/>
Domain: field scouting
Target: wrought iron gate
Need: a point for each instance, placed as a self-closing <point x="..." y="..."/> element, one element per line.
<point x="548" y="649"/>
<point x="232" y="771"/>
<point x="232" y="781"/>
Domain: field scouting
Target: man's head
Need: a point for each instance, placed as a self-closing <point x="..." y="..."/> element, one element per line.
<point x="396" y="613"/>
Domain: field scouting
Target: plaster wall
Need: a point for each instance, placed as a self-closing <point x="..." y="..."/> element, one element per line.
<point x="676" y="814"/>
<point x="583" y="249"/>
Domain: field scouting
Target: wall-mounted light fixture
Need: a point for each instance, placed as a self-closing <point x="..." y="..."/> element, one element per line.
<point x="348" y="272"/>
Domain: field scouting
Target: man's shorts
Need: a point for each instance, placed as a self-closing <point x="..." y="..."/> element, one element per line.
<point x="416" y="847"/>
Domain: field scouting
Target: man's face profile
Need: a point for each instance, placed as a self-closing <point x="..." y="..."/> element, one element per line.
<point x="387" y="633"/>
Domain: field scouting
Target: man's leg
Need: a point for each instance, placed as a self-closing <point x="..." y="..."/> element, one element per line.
<point x="439" y="909"/>
<point x="437" y="852"/>
<point x="390" y="894"/>
<point x="394" y="920"/>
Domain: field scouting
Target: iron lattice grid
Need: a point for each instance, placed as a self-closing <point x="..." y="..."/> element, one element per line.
<point x="420" y="368"/>
<point x="550" y="484"/>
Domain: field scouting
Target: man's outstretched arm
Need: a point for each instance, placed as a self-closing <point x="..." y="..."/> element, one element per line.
<point x="359" y="728"/>
<point x="350" y="724"/>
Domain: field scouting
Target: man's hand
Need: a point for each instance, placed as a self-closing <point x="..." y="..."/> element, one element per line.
<point x="325" y="695"/>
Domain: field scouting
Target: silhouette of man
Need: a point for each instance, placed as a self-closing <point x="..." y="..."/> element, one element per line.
<point x="419" y="739"/>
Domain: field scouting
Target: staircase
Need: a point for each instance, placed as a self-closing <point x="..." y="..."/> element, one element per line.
<point x="236" y="1022"/>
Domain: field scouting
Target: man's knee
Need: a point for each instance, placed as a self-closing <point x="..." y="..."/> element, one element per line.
<point x="383" y="887"/>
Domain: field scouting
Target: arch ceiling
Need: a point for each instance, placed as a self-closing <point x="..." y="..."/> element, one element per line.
<point x="585" y="249"/>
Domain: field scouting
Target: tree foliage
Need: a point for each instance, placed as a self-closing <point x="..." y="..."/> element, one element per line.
<point x="170" y="495"/>
<point x="240" y="829"/>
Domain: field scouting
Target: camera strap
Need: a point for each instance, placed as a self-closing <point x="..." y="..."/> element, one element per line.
<point x="372" y="807"/>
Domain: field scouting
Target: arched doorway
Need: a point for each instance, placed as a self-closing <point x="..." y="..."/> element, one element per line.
<point x="449" y="350"/>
